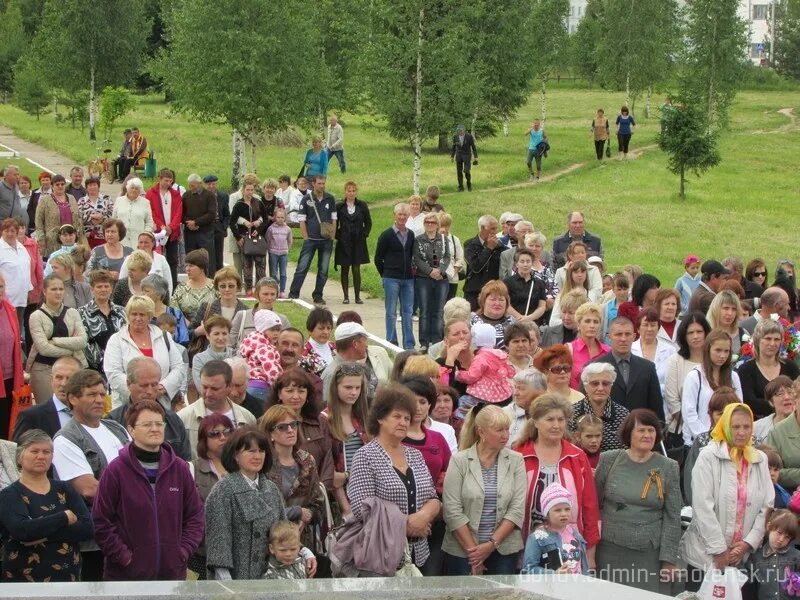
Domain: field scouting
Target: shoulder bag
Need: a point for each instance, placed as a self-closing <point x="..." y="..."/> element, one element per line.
<point x="326" y="229"/>
<point x="254" y="244"/>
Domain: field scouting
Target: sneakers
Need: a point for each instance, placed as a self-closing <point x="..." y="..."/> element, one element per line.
<point x="346" y="301"/>
<point x="320" y="301"/>
<point x="359" y="301"/>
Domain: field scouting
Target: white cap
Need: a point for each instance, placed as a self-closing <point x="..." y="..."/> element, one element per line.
<point x="348" y="330"/>
<point x="266" y="319"/>
<point x="514" y="218"/>
<point x="595" y="260"/>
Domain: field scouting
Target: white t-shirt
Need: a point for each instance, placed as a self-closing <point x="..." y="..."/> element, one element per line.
<point x="447" y="432"/>
<point x="324" y="350"/>
<point x="70" y="461"/>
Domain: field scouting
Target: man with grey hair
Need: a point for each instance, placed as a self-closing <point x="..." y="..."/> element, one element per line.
<point x="143" y="376"/>
<point x="597" y="379"/>
<point x="774" y="301"/>
<point x="335" y="142"/>
<point x="512" y="242"/>
<point x="10" y="206"/>
<point x="393" y="261"/>
<point x="510" y="238"/>
<point x="576" y="231"/>
<point x="199" y="216"/>
<point x="482" y="254"/>
<point x="238" y="388"/>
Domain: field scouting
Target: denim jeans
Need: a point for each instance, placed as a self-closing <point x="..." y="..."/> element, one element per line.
<point x="404" y="290"/>
<point x="324" y="249"/>
<point x="277" y="269"/>
<point x="339" y="154"/>
<point x="431" y="296"/>
<point x="496" y="564"/>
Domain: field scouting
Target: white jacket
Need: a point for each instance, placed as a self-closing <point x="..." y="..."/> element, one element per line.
<point x="137" y="216"/>
<point x="714" y="490"/>
<point x="121" y="349"/>
<point x="694" y="402"/>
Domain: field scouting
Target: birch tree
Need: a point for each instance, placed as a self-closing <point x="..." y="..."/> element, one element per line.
<point x="549" y="23"/>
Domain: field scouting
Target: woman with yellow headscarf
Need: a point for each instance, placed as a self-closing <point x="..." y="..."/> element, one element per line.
<point x="731" y="493"/>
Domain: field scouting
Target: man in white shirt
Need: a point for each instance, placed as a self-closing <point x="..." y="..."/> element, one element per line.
<point x="84" y="447"/>
<point x="335" y="142"/>
<point x="215" y="382"/>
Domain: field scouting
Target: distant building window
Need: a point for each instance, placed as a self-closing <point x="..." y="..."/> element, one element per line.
<point x="760" y="12"/>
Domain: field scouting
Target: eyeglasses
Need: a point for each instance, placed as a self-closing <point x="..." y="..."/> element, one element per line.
<point x="218" y="433"/>
<point x="285" y="427"/>
<point x="598" y="383"/>
<point x="227" y="286"/>
<point x="759" y="274"/>
<point x="560" y="369"/>
<point x="431" y="222"/>
<point x="152" y="425"/>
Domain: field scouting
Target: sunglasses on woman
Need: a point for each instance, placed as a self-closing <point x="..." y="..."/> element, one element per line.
<point x="218" y="433"/>
<point x="285" y="427"/>
<point x="560" y="369"/>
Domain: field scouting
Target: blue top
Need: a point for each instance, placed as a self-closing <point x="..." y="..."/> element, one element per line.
<point x="317" y="163"/>
<point x="543" y="540"/>
<point x="536" y="138"/>
<point x="625" y="124"/>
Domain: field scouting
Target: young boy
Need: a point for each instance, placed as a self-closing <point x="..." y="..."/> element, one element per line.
<point x="67" y="237"/>
<point x="285" y="560"/>
<point x="775" y="463"/>
<point x="769" y="563"/>
<point x="217" y="329"/>
<point x="621" y="287"/>
<point x="556" y="546"/>
<point x="688" y="282"/>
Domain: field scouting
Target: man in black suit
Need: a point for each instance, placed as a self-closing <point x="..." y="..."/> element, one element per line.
<point x="223" y="218"/>
<point x="461" y="152"/>
<point x="636" y="385"/>
<point x="482" y="254"/>
<point x="50" y="414"/>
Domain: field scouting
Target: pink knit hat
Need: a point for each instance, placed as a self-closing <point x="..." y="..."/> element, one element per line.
<point x="553" y="495"/>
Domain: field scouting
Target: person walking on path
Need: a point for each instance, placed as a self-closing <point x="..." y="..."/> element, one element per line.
<point x="600" y="132"/>
<point x="537" y="146"/>
<point x="334" y="143"/>
<point x="625" y="125"/>
<point x="461" y="152"/>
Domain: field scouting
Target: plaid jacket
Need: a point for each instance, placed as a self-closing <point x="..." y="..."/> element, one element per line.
<point x="372" y="475"/>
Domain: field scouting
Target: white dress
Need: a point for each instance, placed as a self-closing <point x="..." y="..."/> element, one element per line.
<point x="136" y="215"/>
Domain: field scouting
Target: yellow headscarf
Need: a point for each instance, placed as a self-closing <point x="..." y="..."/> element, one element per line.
<point x="722" y="433"/>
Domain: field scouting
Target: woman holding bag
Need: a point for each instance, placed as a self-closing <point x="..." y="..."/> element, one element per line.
<point x="455" y="270"/>
<point x="249" y="224"/>
<point x="353" y="225"/>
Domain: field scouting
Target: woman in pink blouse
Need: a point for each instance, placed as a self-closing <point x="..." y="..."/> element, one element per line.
<point x="587" y="346"/>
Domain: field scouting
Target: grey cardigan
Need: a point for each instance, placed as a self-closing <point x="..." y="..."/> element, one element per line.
<point x="463" y="498"/>
<point x="631" y="522"/>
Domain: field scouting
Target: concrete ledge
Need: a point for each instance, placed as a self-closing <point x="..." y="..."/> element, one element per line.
<point x="521" y="587"/>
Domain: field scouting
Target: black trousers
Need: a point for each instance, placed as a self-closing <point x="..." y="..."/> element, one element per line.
<point x="5" y="410"/>
<point x="92" y="566"/>
<point x="624" y="140"/>
<point x="219" y="249"/>
<point x="194" y="240"/>
<point x="463" y="171"/>
<point x="122" y="167"/>
<point x="599" y="146"/>
<point x="171" y="251"/>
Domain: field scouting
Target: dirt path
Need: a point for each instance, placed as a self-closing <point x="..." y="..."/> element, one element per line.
<point x="790" y="127"/>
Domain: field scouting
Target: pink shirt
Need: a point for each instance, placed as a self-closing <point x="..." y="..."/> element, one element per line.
<point x="7" y="342"/>
<point x="741" y="502"/>
<point x="581" y="357"/>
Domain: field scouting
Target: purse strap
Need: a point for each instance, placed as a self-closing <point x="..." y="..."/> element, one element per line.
<point x="314" y="206"/>
<point x="608" y="475"/>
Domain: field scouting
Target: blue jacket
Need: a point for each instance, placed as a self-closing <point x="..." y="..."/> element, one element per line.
<point x="542" y="541"/>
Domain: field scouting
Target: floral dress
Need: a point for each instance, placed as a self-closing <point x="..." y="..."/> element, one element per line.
<point x="103" y="205"/>
<point x="262" y="358"/>
<point x="189" y="299"/>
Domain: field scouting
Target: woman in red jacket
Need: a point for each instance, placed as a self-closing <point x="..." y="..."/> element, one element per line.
<point x="550" y="458"/>
<point x="148" y="515"/>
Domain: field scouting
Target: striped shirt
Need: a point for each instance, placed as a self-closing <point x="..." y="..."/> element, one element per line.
<point x="351" y="445"/>
<point x="489" y="512"/>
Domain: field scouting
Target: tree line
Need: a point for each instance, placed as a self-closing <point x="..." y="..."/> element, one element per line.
<point x="420" y="66"/>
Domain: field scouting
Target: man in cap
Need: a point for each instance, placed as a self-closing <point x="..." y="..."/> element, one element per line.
<point x="461" y="152"/>
<point x="510" y="238"/>
<point x="199" y="217"/>
<point x="713" y="275"/>
<point x="351" y="346"/>
<point x="223" y="217"/>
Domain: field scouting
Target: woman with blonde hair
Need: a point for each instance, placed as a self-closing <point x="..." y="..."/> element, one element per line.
<point x="456" y="249"/>
<point x="577" y="277"/>
<point x="587" y="345"/>
<point x="724" y="314"/>
<point x="139" y="265"/>
<point x="484" y="498"/>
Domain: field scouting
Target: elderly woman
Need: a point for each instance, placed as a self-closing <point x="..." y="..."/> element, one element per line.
<point x="137" y="542"/>
<point x="456" y="353"/>
<point x="714" y="372"/>
<point x="651" y="345"/>
<point x="556" y="364"/>
<point x="598" y="379"/>
<point x="766" y="366"/>
<point x="139" y="264"/>
<point x="197" y="289"/>
<point x="387" y="469"/>
<point x="484" y="498"/>
<point x="550" y="458"/>
<point x="541" y="268"/>
<point x="319" y="350"/>
<point x="54" y="210"/>
<point x="732" y="494"/>
<point x="415" y="216"/>
<point x="783" y="437"/>
<point x="44" y="520"/>
<point x="529" y="384"/>
<point x="242" y="324"/>
<point x="724" y="313"/>
<point x="133" y="209"/>
<point x="109" y="254"/>
<point x="779" y="394"/>
<point x="528" y="293"/>
<point x="156" y="288"/>
<point x="456" y="249"/>
<point x="294" y="389"/>
<point x="493" y="304"/>
<point x="640" y="503"/>
<point x="146" y="242"/>
<point x="95" y="209"/>
<point x="226" y="284"/>
<point x="587" y="345"/>
<point x="241" y="508"/>
<point x="56" y="331"/>
<point x="667" y="303"/>
<point x="100" y="318"/>
<point x="141" y="338"/>
<point x="719" y="400"/>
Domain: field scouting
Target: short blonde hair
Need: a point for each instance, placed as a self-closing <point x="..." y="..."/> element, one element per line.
<point x="421" y="365"/>
<point x="574" y="299"/>
<point x="140" y="260"/>
<point x="445" y="220"/>
<point x="535" y="237"/>
<point x="227" y="273"/>
<point x="65" y="260"/>
<point x="456" y="308"/>
<point x="588" y="309"/>
<point x="140" y="304"/>
<point x="488" y="416"/>
<point x="415" y="198"/>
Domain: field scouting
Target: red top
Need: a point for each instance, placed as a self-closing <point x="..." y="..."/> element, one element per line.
<point x="148" y="352"/>
<point x="153" y="195"/>
<point x="436" y="453"/>
<point x="669" y="328"/>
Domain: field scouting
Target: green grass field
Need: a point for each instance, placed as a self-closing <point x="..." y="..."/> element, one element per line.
<point x="746" y="206"/>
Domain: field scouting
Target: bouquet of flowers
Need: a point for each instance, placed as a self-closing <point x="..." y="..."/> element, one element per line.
<point x="790" y="345"/>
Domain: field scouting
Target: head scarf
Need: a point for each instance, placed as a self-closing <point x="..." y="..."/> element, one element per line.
<point x="722" y="433"/>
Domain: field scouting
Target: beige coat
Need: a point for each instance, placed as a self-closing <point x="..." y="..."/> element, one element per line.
<point x="48" y="222"/>
<point x="44" y="343"/>
<point x="714" y="505"/>
<point x="464" y="495"/>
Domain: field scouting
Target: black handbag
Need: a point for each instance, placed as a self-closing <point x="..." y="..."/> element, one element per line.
<point x="254" y="245"/>
<point x="608" y="148"/>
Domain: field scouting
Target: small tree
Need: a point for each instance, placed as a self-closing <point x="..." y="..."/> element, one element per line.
<point x="31" y="92"/>
<point x="115" y="102"/>
<point x="687" y="140"/>
<point x="785" y="32"/>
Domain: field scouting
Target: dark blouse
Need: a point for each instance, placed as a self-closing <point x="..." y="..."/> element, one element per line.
<point x="753" y="385"/>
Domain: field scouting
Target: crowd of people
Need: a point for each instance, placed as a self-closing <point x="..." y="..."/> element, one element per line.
<point x="552" y="418"/>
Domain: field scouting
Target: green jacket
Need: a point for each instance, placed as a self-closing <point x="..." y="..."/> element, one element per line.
<point x="785" y="438"/>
